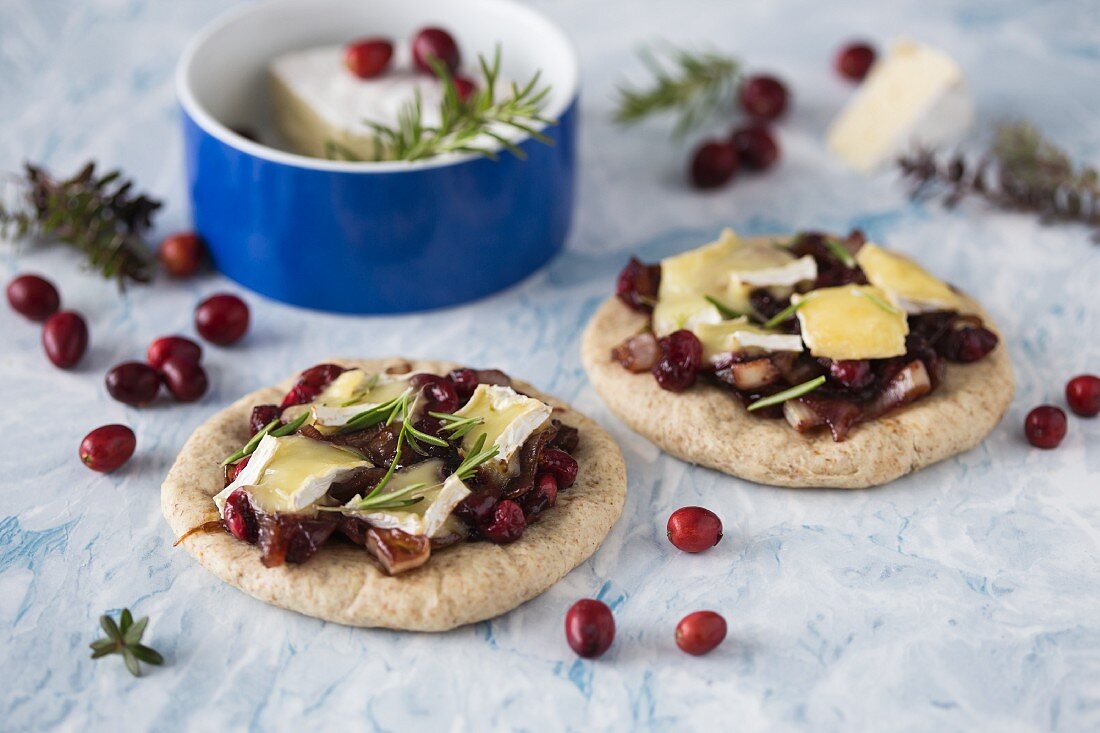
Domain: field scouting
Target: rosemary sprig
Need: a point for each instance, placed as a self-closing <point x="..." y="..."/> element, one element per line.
<point x="100" y="216"/>
<point x="788" y="394"/>
<point x="697" y="85"/>
<point x="840" y="253"/>
<point x="724" y="310"/>
<point x="879" y="302"/>
<point x="457" y="427"/>
<point x="475" y="458"/>
<point x="125" y="638"/>
<point x="269" y="429"/>
<point x="384" y="412"/>
<point x="1022" y="171"/>
<point x="465" y="123"/>
<point x="783" y="315"/>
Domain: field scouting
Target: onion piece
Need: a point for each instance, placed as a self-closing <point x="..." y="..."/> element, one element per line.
<point x="754" y="375"/>
<point x="801" y="416"/>
<point x="638" y="353"/>
<point x="398" y="551"/>
<point x="907" y="385"/>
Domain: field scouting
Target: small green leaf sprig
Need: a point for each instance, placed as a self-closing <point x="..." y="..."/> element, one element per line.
<point x="275" y="429"/>
<point x="124" y="638"/>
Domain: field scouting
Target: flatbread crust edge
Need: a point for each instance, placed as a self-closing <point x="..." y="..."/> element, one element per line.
<point x="469" y="582"/>
<point x="708" y="426"/>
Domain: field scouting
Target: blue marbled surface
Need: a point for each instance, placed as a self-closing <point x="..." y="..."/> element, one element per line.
<point x="966" y="597"/>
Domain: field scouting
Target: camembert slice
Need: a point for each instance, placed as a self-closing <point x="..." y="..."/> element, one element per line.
<point x="738" y="334"/>
<point x="508" y="419"/>
<point x="352" y="393"/>
<point x="851" y="322"/>
<point x="908" y="285"/>
<point x="429" y="516"/>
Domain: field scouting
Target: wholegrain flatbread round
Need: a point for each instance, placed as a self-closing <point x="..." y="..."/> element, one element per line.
<point x="708" y="426"/>
<point x="468" y="582"/>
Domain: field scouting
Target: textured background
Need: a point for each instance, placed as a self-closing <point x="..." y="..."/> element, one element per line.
<point x="966" y="597"/>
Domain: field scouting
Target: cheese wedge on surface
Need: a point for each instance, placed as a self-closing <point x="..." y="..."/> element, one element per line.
<point x="509" y="419"/>
<point x="738" y="334"/>
<point x="916" y="96"/>
<point x="908" y="285"/>
<point x="289" y="474"/>
<point x="352" y="393"/>
<point x="429" y="516"/>
<point x="851" y="322"/>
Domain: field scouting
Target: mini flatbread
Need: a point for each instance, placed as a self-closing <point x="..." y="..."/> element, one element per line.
<point x="708" y="426"/>
<point x="469" y="582"/>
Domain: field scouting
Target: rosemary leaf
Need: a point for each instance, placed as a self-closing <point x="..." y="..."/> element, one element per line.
<point x="840" y="253"/>
<point x="788" y="394"/>
<point x="124" y="638"/>
<point x="783" y="315"/>
<point x="723" y="309"/>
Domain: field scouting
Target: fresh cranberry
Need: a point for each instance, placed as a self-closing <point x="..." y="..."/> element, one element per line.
<point x="477" y="508"/>
<point x="546" y="486"/>
<point x="182" y="254"/>
<point x="507" y="523"/>
<point x="310" y="384"/>
<point x="261" y="416"/>
<point x="542" y="496"/>
<point x="638" y="284"/>
<point x="464" y="87"/>
<point x="184" y="378"/>
<point x="700" y="632"/>
<point x="756" y="147"/>
<point x="589" y="628"/>
<point x="1083" y="395"/>
<point x="108" y="447"/>
<point x="222" y="319"/>
<point x="854" y="60"/>
<point x="167" y="346"/>
<point x="240" y="517"/>
<point x="437" y="43"/>
<point x="694" y="529"/>
<point x="133" y="382"/>
<point x="713" y="164"/>
<point x="465" y="382"/>
<point x="368" y="57"/>
<point x="855" y="374"/>
<point x="34" y="297"/>
<point x="764" y="97"/>
<point x="681" y="359"/>
<point x="239" y="466"/>
<point x="439" y="392"/>
<point x="65" y="338"/>
<point x="1045" y="426"/>
<point x="560" y="465"/>
<point x="967" y="344"/>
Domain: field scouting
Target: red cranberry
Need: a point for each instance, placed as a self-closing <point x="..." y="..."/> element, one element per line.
<point x="184" y="378"/>
<point x="133" y="382"/>
<point x="713" y="164"/>
<point x="167" y="346"/>
<point x="310" y="384"/>
<point x="464" y="87"/>
<point x="560" y="465"/>
<point x="261" y="416"/>
<point x="34" y="297"/>
<point x="967" y="344"/>
<point x="368" y="57"/>
<point x="638" y="284"/>
<point x="240" y="517"/>
<point x="547" y="488"/>
<point x="694" y="529"/>
<point x="222" y="319"/>
<point x="437" y="43"/>
<point x="1045" y="426"/>
<point x="764" y="97"/>
<point x="854" y="61"/>
<point x="438" y="392"/>
<point x="181" y="254"/>
<point x="681" y="359"/>
<point x="589" y="628"/>
<point x="854" y="374"/>
<point x="108" y="447"/>
<point x="700" y="632"/>
<point x="477" y="508"/>
<point x="1083" y="395"/>
<point x="507" y="523"/>
<point x="465" y="382"/>
<point x="756" y="147"/>
<point x="65" y="338"/>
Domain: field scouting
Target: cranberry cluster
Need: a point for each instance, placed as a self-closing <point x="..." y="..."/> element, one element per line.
<point x="368" y="58"/>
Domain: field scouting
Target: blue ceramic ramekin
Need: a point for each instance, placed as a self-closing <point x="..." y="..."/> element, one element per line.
<point x="372" y="237"/>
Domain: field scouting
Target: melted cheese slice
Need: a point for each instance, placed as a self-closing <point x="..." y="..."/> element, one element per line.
<point x="430" y="516"/>
<point x="289" y="474"/>
<point x="352" y="393"/>
<point x="846" y="322"/>
<point x="738" y="335"/>
<point x="509" y="418"/>
<point x="907" y="284"/>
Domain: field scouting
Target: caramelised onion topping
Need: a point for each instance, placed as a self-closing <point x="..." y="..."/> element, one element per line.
<point x="754" y="375"/>
<point x="638" y="353"/>
<point x="907" y="385"/>
<point x="397" y="551"/>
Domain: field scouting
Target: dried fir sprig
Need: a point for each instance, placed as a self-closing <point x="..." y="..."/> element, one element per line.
<point x="124" y="638"/>
<point x="101" y="216"/>
<point x="1022" y="171"/>
<point x="693" y="84"/>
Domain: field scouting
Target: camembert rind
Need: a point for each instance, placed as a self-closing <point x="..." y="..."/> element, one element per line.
<point x="430" y="516"/>
<point x="331" y="408"/>
<point x="738" y="334"/>
<point x="846" y="322"/>
<point x="509" y="419"/>
<point x="908" y="285"/>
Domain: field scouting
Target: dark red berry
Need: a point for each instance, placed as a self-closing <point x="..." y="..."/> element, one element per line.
<point x="1083" y="395"/>
<point x="854" y="61"/>
<point x="638" y="284"/>
<point x="181" y="254"/>
<point x="507" y="523"/>
<point x="33" y="297"/>
<point x="438" y="392"/>
<point x="238" y="467"/>
<point x="222" y="319"/>
<point x="368" y="57"/>
<point x="184" y="378"/>
<point x="465" y="382"/>
<point x="477" y="508"/>
<point x="589" y="628"/>
<point x="700" y="632"/>
<point x="261" y="416"/>
<point x="713" y="164"/>
<point x="681" y="359"/>
<point x="560" y="465"/>
<point x="65" y="338"/>
<point x="240" y="517"/>
<point x="694" y="529"/>
<point x="437" y="43"/>
<point x="167" y="346"/>
<point x="756" y="147"/>
<point x="133" y="382"/>
<point x="311" y="383"/>
<point x="546" y="486"/>
<point x="464" y="87"/>
<point x="967" y="344"/>
<point x="108" y="447"/>
<point x="855" y="374"/>
<point x="1045" y="426"/>
<point x="764" y="97"/>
